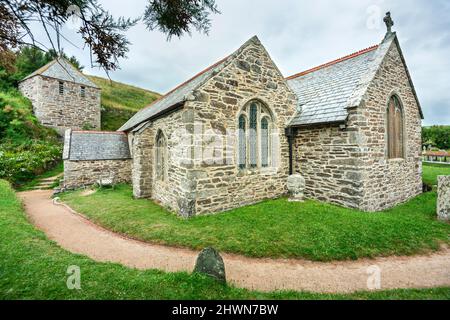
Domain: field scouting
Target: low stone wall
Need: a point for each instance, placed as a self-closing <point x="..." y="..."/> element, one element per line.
<point x="443" y="205"/>
<point x="84" y="173"/>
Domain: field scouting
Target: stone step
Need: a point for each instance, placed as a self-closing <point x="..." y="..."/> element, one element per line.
<point x="45" y="183"/>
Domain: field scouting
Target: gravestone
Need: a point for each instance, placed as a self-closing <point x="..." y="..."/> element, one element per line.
<point x="210" y="262"/>
<point x="443" y="202"/>
<point x="296" y="187"/>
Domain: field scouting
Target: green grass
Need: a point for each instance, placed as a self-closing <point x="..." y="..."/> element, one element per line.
<point x="274" y="228"/>
<point x="59" y="168"/>
<point x="431" y="171"/>
<point x="33" y="267"/>
<point x="121" y="101"/>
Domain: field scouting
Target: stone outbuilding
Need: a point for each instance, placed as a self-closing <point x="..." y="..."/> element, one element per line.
<point x="93" y="156"/>
<point x="63" y="97"/>
<point x="232" y="135"/>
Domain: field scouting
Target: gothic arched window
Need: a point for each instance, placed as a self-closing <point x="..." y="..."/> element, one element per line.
<point x="161" y="156"/>
<point x="395" y="136"/>
<point x="254" y="145"/>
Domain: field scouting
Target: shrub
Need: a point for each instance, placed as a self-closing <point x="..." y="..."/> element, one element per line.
<point x="26" y="147"/>
<point x="19" y="163"/>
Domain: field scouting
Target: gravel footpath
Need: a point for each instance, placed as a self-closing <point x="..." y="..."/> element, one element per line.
<point x="76" y="234"/>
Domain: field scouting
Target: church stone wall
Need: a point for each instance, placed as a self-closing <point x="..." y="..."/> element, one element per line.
<point x="388" y="182"/>
<point x="328" y="157"/>
<point x="63" y="111"/>
<point x="173" y="191"/>
<point x="350" y="166"/>
<point x="222" y="185"/>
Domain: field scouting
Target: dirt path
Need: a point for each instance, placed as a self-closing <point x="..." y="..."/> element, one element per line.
<point x="78" y="235"/>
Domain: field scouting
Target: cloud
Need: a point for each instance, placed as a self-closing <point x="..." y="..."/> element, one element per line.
<point x="298" y="34"/>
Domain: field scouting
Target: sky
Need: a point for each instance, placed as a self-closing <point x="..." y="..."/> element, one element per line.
<point x="298" y="34"/>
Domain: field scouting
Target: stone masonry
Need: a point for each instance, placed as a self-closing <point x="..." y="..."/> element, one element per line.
<point x="443" y="204"/>
<point x="388" y="182"/>
<point x="85" y="173"/>
<point x="349" y="166"/>
<point x="339" y="142"/>
<point x="196" y="187"/>
<point x="90" y="156"/>
<point x="77" y="107"/>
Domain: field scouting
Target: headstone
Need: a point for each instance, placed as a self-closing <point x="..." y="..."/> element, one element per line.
<point x="443" y="202"/>
<point x="296" y="187"/>
<point x="210" y="262"/>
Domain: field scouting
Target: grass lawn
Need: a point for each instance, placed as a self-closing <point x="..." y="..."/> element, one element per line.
<point x="33" y="267"/>
<point x="274" y="228"/>
<point x="431" y="171"/>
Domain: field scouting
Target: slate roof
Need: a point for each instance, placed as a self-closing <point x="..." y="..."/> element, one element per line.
<point x="95" y="145"/>
<point x="327" y="91"/>
<point x="62" y="69"/>
<point x="174" y="97"/>
<point x="182" y="92"/>
<point x="323" y="92"/>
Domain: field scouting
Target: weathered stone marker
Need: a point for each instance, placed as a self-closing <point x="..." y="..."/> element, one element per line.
<point x="210" y="262"/>
<point x="296" y="187"/>
<point x="443" y="203"/>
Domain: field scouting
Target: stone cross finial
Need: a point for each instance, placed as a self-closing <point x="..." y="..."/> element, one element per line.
<point x="389" y="22"/>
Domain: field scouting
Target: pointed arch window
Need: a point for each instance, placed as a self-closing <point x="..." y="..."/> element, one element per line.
<point x="161" y="156"/>
<point x="395" y="137"/>
<point x="254" y="145"/>
<point x="242" y="142"/>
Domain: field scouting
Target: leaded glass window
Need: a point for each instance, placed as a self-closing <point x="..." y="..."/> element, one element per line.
<point x="254" y="145"/>
<point x="264" y="142"/>
<point x="242" y="142"/>
<point x="253" y="139"/>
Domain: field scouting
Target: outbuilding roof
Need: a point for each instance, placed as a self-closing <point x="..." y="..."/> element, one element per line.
<point x="95" y="145"/>
<point x="62" y="69"/>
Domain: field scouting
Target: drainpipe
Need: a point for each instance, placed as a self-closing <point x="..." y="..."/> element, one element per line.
<point x="290" y="134"/>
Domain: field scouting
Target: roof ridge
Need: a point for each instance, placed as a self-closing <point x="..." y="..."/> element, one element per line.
<point x="98" y="132"/>
<point x="333" y="62"/>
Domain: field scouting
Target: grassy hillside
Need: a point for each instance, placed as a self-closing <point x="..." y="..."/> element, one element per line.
<point x="121" y="101"/>
<point x="27" y="148"/>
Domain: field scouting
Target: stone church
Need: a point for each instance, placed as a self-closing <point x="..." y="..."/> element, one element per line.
<point x="234" y="133"/>
<point x="63" y="97"/>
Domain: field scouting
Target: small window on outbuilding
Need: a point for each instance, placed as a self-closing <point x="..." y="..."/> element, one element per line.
<point x="83" y="92"/>
<point x="61" y="87"/>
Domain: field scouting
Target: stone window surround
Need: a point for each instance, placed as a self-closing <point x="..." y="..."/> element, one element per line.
<point x="395" y="93"/>
<point x="248" y="170"/>
<point x="157" y="175"/>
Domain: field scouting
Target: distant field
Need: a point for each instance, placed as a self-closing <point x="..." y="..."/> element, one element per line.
<point x="431" y="171"/>
<point x="121" y="101"/>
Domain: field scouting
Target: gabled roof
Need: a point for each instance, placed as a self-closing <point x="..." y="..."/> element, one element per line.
<point x="62" y="69"/>
<point x="327" y="91"/>
<point x="323" y="92"/>
<point x="181" y="93"/>
<point x="95" y="145"/>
